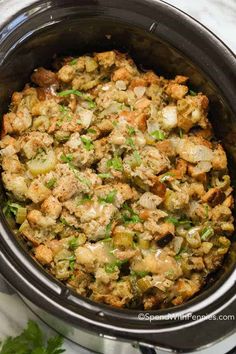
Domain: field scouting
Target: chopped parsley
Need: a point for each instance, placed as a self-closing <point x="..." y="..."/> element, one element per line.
<point x="130" y="142"/>
<point x="70" y="92"/>
<point x="91" y="131"/>
<point x="72" y="262"/>
<point x="131" y="130"/>
<point x="73" y="62"/>
<point x="91" y="103"/>
<point x="67" y="158"/>
<point x="108" y="230"/>
<point x="88" y="144"/>
<point x="50" y="184"/>
<point x="65" y="222"/>
<point x="110" y="198"/>
<point x="112" y="267"/>
<point x="192" y="93"/>
<point x="115" y="163"/>
<point x="73" y="243"/>
<point x="128" y="215"/>
<point x="180" y="133"/>
<point x="84" y="199"/>
<point x="158" y="135"/>
<point x="137" y="157"/>
<point x="65" y="114"/>
<point x="82" y="179"/>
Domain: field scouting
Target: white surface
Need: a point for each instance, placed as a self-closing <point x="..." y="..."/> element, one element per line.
<point x="217" y="15"/>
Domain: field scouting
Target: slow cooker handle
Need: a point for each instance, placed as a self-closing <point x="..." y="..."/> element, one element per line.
<point x="146" y="350"/>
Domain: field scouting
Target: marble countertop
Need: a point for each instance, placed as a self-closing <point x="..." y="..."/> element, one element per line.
<point x="219" y="16"/>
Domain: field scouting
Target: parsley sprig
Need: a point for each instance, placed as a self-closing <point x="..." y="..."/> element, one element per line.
<point x="32" y="341"/>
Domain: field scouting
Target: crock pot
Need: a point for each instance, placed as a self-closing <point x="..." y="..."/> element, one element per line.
<point x="160" y="37"/>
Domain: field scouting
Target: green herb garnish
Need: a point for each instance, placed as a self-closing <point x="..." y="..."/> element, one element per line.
<point x="192" y="93"/>
<point x="66" y="158"/>
<point x="158" y="135"/>
<point x="70" y="92"/>
<point x="72" y="260"/>
<point x="137" y="157"/>
<point x="91" y="103"/>
<point x="32" y="341"/>
<point x="88" y="144"/>
<point x="65" y="112"/>
<point x="128" y="215"/>
<point x="108" y="230"/>
<point x="131" y="130"/>
<point x="115" y="163"/>
<point x="50" y="184"/>
<point x="84" y="199"/>
<point x="73" y="62"/>
<point x="64" y="222"/>
<point x="180" y="133"/>
<point x="110" y="198"/>
<point x="91" y="131"/>
<point x="112" y="267"/>
<point x="130" y="142"/>
<point x="73" y="243"/>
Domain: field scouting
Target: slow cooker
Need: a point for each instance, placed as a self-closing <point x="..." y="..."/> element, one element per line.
<point x="160" y="37"/>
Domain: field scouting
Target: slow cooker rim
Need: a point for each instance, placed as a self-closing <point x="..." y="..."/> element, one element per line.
<point x="179" y="13"/>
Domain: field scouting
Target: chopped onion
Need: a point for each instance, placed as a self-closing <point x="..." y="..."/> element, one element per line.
<point x="86" y="117"/>
<point x="106" y="87"/>
<point x="139" y="91"/>
<point x="149" y="200"/>
<point x="169" y="114"/>
<point x="74" y="141"/>
<point x="114" y="107"/>
<point x="196" y="115"/>
<point x="8" y="151"/>
<point x="201" y="167"/>
<point x="193" y="153"/>
<point x="120" y="85"/>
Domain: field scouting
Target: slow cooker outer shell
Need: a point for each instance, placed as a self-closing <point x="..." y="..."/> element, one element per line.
<point x="164" y="39"/>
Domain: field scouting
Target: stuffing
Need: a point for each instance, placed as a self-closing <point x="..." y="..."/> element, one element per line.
<point x="116" y="182"/>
